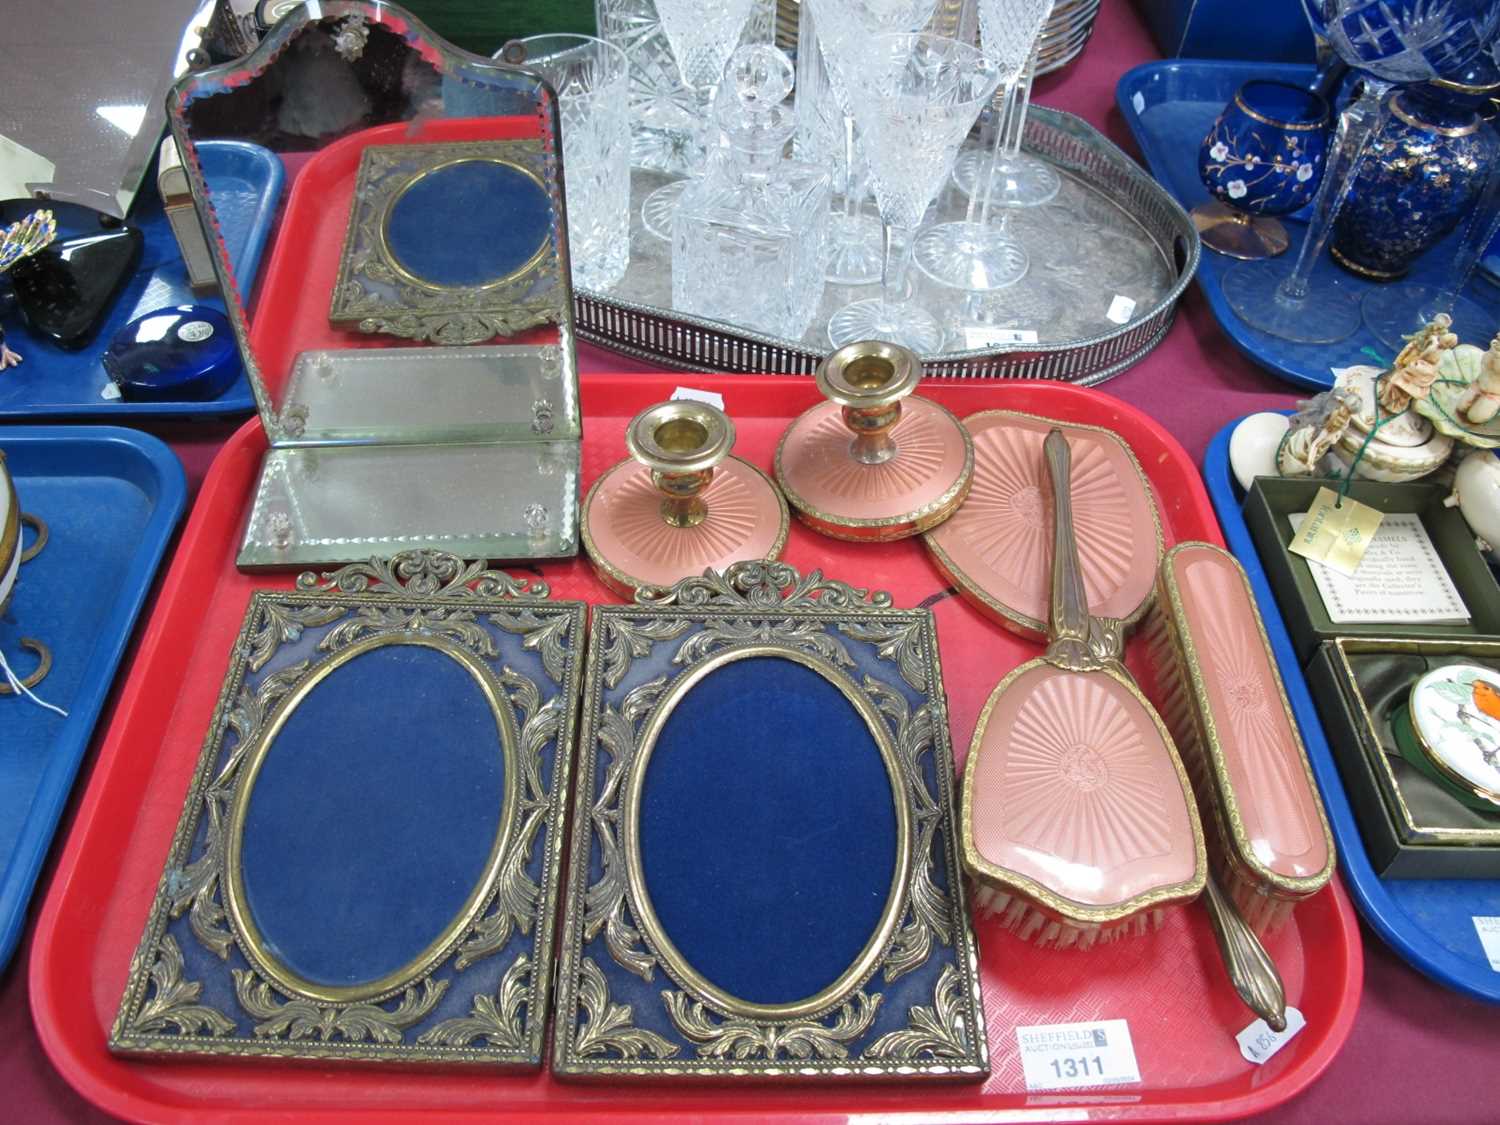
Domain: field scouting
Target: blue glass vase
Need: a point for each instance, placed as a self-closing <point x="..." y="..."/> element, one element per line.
<point x="1261" y="158"/>
<point x="1419" y="178"/>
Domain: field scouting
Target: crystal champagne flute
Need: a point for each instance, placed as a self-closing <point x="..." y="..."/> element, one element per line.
<point x="919" y="95"/>
<point x="702" y="34"/>
<point x="971" y="253"/>
<point x="839" y="26"/>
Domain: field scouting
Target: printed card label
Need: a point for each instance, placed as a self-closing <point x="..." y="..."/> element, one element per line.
<point x="997" y="337"/>
<point x="1120" y="309"/>
<point x="1065" y="1056"/>
<point x="1258" y="1042"/>
<point x="1489" y="937"/>
<point x="1401" y="579"/>
<point x="691" y="394"/>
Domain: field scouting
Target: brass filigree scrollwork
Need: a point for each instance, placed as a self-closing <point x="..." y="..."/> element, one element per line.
<point x="938" y="1032"/>
<point x="927" y="907"/>
<point x="496" y="1019"/>
<point x="608" y="1026"/>
<point x="434" y="599"/>
<point x="174" y="1002"/>
<point x="424" y="574"/>
<point x="747" y="1039"/>
<point x="763" y="586"/>
<point x="901" y="643"/>
<point x="303" y="1019"/>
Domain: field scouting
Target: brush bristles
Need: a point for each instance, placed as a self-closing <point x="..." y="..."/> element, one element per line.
<point x="1030" y="923"/>
<point x="1262" y="912"/>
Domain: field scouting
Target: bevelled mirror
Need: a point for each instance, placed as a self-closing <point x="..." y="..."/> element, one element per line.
<point x="410" y="341"/>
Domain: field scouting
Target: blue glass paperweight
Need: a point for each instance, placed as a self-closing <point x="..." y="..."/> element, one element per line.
<point x="182" y="353"/>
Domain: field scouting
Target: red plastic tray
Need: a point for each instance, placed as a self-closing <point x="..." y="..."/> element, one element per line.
<point x="1170" y="986"/>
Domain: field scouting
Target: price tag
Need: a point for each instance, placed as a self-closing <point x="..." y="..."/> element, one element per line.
<point x="1120" y="309"/>
<point x="693" y="395"/>
<point x="992" y="337"/>
<point x="1336" y="532"/>
<point x="1489" y="937"/>
<point x="1064" y="1056"/>
<point x="109" y="392"/>
<point x="1258" y="1042"/>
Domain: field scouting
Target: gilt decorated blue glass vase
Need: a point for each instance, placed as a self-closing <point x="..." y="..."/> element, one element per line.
<point x="1261" y="158"/>
<point x="1418" y="180"/>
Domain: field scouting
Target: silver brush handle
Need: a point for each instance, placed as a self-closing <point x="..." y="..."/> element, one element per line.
<point x="1250" y="968"/>
<point x="1069" y="631"/>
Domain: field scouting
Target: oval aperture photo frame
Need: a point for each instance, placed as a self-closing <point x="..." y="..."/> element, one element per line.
<point x="795" y="911"/>
<point x="367" y="862"/>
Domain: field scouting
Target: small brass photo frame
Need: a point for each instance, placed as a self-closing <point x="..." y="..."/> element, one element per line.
<point x="367" y="863"/>
<point x="764" y="879"/>
<point x="413" y="267"/>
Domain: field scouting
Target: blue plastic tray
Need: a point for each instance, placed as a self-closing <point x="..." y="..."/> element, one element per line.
<point x="111" y="498"/>
<point x="52" y="383"/>
<point x="1427" y="921"/>
<point x="1169" y="107"/>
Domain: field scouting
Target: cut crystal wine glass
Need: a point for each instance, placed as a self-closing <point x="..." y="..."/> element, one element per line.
<point x="919" y="95"/>
<point x="839" y="28"/>
<point x="702" y="34"/>
<point x="1387" y="42"/>
<point x="1010" y="29"/>
<point x="971" y="253"/>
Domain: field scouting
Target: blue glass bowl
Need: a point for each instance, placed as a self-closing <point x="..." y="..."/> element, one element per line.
<point x="1262" y="158"/>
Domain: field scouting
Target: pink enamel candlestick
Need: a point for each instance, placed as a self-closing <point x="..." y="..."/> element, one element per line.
<point x="680" y="504"/>
<point x="874" y="462"/>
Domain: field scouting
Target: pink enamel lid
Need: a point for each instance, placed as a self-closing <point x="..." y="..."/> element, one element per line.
<point x="997" y="547"/>
<point x="1074" y="796"/>
<point x="1265" y="777"/>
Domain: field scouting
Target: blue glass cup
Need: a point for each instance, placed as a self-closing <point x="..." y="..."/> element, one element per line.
<point x="1262" y="158"/>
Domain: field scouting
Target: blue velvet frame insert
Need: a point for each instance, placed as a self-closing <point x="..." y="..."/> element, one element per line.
<point x="469" y="223"/>
<point x="356" y="767"/>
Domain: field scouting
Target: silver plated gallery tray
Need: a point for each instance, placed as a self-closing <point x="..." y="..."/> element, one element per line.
<point x="1109" y="259"/>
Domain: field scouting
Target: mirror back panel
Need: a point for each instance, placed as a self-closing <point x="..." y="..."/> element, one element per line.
<point x="417" y="294"/>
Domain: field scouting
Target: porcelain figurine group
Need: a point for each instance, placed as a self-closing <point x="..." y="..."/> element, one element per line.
<point x="1436" y="406"/>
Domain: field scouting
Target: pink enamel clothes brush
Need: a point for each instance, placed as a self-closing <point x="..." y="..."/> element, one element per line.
<point x="1268" y="836"/>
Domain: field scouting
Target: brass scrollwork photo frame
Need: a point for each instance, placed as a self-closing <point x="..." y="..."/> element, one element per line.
<point x="377" y="292"/>
<point x="630" y="1004"/>
<point x="206" y="980"/>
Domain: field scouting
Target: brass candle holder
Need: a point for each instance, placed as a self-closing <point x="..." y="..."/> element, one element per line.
<point x="874" y="461"/>
<point x="680" y="504"/>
